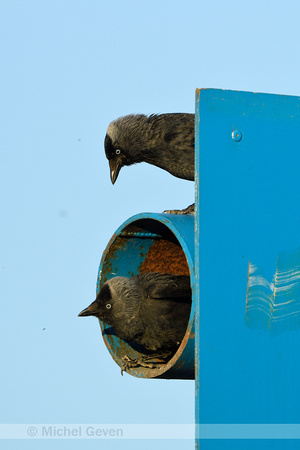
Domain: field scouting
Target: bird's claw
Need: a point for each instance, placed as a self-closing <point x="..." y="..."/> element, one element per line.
<point x="143" y="361"/>
<point x="189" y="210"/>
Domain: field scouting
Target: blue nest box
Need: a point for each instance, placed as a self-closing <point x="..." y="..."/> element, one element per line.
<point x="247" y="270"/>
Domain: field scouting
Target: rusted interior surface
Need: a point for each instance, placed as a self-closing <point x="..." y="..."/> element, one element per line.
<point x="166" y="257"/>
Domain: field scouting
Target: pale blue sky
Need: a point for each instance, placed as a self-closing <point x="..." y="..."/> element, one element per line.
<point x="67" y="69"/>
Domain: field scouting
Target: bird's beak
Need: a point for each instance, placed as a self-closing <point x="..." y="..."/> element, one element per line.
<point x="91" y="310"/>
<point x="85" y="312"/>
<point x="115" y="166"/>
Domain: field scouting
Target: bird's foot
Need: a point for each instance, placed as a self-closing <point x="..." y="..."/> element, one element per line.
<point x="189" y="210"/>
<point x="128" y="363"/>
<point x="143" y="361"/>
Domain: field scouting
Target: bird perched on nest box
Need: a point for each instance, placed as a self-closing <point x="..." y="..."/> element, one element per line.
<point x="164" y="140"/>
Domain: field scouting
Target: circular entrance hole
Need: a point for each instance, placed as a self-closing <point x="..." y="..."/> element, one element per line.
<point x="143" y="245"/>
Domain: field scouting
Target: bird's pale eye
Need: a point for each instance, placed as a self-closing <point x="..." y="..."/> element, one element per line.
<point x="118" y="151"/>
<point x="108" y="306"/>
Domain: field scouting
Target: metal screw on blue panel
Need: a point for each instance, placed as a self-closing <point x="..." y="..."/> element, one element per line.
<point x="236" y="135"/>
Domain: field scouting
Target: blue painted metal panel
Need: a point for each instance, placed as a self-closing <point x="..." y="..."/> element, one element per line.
<point x="247" y="268"/>
<point x="151" y="242"/>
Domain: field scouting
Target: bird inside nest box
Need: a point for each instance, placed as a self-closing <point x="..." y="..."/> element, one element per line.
<point x="145" y="296"/>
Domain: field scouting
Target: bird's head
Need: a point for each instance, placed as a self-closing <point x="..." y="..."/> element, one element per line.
<point x="118" y="144"/>
<point x="125" y="141"/>
<point x="102" y="307"/>
<point x="114" y="302"/>
<point x="116" y="157"/>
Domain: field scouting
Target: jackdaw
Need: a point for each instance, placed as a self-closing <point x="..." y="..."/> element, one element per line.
<point x="164" y="140"/>
<point x="149" y="311"/>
